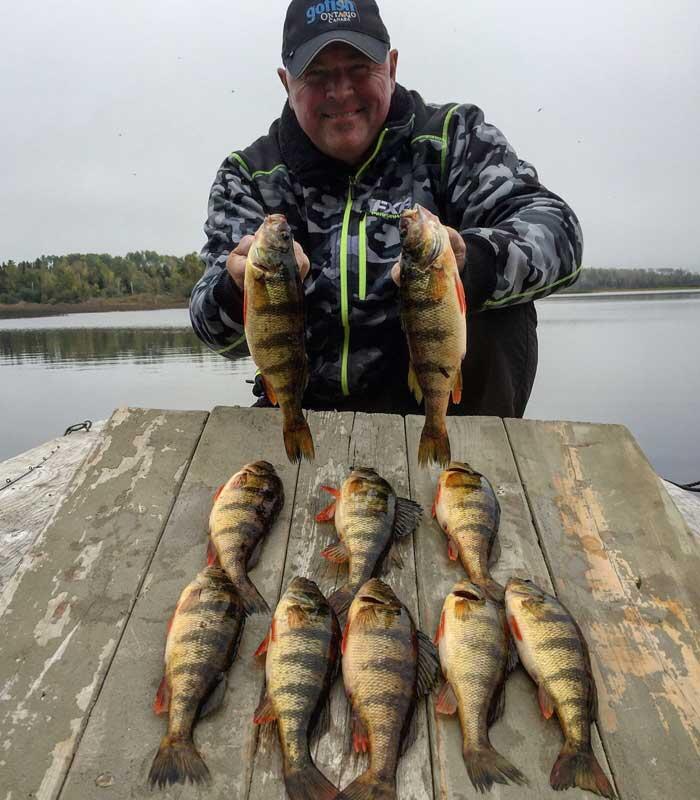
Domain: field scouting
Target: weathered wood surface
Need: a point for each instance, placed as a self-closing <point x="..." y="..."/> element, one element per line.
<point x="61" y="619"/>
<point x="579" y="505"/>
<point x="123" y="734"/>
<point x="687" y="503"/>
<point x="522" y="736"/>
<point x="342" y="443"/>
<point x="624" y="562"/>
<point x="32" y="486"/>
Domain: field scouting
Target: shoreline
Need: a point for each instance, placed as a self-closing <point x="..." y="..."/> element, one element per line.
<point x="160" y="302"/>
<point x="136" y="303"/>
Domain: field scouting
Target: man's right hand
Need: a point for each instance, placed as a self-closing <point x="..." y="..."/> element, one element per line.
<point x="235" y="263"/>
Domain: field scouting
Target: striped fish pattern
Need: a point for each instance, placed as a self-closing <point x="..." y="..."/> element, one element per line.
<point x="475" y="648"/>
<point x="554" y="652"/>
<point x="273" y="317"/>
<point x="387" y="665"/>
<point x="202" y="641"/>
<point x="369" y="518"/>
<point x="433" y="316"/>
<point x="301" y="661"/>
<point x="244" y="509"/>
<point x="468" y="511"/>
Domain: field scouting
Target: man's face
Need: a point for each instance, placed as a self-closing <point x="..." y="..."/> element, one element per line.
<point x="342" y="99"/>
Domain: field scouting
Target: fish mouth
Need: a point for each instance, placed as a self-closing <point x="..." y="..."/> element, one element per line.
<point x="523" y="587"/>
<point x="466" y="594"/>
<point x="460" y="466"/>
<point x="259" y="468"/>
<point x="419" y="234"/>
<point x="378" y="593"/>
<point x="364" y="472"/>
<point x="466" y="590"/>
<point x="275" y="236"/>
<point x="304" y="592"/>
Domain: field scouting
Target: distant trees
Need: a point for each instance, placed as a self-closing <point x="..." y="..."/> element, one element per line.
<point x="77" y="277"/>
<point x="595" y="279"/>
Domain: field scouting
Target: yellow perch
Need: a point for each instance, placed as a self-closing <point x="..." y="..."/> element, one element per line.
<point x="273" y="317"/>
<point x="244" y="509"/>
<point x="475" y="654"/>
<point x="202" y="641"/>
<point x="553" y="651"/>
<point x="467" y="510"/>
<point x="369" y="518"/>
<point x="301" y="661"/>
<point x="433" y="315"/>
<point x="387" y="665"/>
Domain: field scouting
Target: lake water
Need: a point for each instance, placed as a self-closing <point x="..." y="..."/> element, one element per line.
<point x="631" y="361"/>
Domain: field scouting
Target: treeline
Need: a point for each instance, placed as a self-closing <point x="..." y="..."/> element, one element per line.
<point x="78" y="277"/>
<point x="592" y="279"/>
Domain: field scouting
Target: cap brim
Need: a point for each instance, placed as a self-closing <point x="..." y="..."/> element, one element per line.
<point x="371" y="47"/>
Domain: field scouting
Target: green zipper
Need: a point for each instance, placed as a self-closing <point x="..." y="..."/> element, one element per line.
<point x="344" y="304"/>
<point x="363" y="257"/>
<point x="344" y="310"/>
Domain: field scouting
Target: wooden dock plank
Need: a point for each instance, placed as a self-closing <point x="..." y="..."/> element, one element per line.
<point x="626" y="565"/>
<point x="522" y="736"/>
<point x="341" y="442"/>
<point x="61" y="619"/>
<point x="123" y="733"/>
<point x="29" y="499"/>
<point x="379" y="441"/>
<point x="332" y="434"/>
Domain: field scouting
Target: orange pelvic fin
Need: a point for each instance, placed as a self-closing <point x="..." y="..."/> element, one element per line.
<point x="212" y="555"/>
<point x="457" y="388"/>
<point x="440" y="630"/>
<point x="514" y="629"/>
<point x="446" y="701"/>
<point x="545" y="701"/>
<point x="336" y="553"/>
<point x="460" y="294"/>
<point x="327" y="514"/>
<point x="161" y="704"/>
<point x="269" y="391"/>
<point x="265" y="711"/>
<point x="452" y="551"/>
<point x="270" y="637"/>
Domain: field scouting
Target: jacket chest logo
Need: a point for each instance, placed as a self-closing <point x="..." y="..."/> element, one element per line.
<point x="384" y="207"/>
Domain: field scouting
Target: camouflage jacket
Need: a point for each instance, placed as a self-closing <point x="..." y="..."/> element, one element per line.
<point x="523" y="242"/>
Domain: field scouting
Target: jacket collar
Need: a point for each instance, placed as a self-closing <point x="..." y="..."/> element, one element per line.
<point x="311" y="166"/>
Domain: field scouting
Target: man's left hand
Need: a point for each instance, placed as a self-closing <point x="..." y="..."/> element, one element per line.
<point x="458" y="247"/>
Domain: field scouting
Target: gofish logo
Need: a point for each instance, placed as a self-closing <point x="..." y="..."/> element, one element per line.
<point x="332" y="11"/>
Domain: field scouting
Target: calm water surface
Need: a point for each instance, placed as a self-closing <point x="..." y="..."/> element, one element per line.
<point x="630" y="361"/>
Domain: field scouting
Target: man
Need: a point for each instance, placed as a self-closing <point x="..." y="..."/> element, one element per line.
<point x="351" y="151"/>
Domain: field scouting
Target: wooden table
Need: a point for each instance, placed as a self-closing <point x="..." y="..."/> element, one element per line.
<point x="82" y="623"/>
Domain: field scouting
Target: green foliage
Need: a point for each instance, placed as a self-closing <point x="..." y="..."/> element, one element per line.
<point x="77" y="277"/>
<point x="593" y="279"/>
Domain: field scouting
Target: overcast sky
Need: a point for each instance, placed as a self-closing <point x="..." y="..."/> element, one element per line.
<point x="116" y="114"/>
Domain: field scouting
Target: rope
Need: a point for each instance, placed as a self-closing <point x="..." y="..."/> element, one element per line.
<point x="11" y="481"/>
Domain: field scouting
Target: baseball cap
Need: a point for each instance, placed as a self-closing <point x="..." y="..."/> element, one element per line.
<point x="309" y="26"/>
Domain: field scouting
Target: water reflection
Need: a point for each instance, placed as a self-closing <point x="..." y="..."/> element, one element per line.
<point x="631" y="362"/>
<point x="81" y="346"/>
